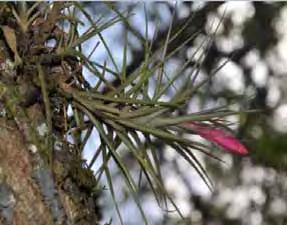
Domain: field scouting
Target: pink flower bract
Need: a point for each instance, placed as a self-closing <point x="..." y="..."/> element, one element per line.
<point x="217" y="136"/>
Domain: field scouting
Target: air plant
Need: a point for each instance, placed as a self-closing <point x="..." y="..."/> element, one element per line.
<point x="127" y="111"/>
<point x="218" y="136"/>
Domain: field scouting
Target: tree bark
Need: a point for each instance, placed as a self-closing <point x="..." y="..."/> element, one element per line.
<point x="43" y="179"/>
<point x="32" y="192"/>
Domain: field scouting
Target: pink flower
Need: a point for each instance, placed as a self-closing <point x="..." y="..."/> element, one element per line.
<point x="217" y="136"/>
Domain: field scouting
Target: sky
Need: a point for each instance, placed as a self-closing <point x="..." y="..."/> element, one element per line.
<point x="230" y="77"/>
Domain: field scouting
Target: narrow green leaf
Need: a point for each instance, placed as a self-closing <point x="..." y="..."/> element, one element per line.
<point x="111" y="189"/>
<point x="121" y="165"/>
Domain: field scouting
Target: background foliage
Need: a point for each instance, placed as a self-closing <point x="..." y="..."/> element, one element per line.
<point x="250" y="190"/>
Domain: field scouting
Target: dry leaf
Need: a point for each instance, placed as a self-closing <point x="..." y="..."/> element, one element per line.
<point x="10" y="37"/>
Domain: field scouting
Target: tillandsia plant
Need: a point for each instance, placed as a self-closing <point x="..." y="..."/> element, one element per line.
<point x="40" y="81"/>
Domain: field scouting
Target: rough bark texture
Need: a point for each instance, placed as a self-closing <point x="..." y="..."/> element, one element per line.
<point x="21" y="201"/>
<point x="43" y="179"/>
<point x="33" y="193"/>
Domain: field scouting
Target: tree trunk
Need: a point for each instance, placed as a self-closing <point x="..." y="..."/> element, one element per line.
<point x="33" y="193"/>
<point x="43" y="179"/>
